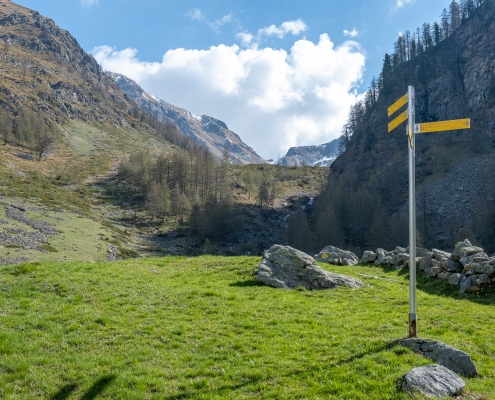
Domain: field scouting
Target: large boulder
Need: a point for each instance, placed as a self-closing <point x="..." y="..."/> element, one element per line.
<point x="433" y="381"/>
<point x="286" y="267"/>
<point x="334" y="255"/>
<point x="447" y="356"/>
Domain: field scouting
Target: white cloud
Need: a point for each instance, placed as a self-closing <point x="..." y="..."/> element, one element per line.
<point x="402" y="3"/>
<point x="272" y="98"/>
<point x="197" y="15"/>
<point x="352" y="34"/>
<point x="294" y="27"/>
<point x="89" y="3"/>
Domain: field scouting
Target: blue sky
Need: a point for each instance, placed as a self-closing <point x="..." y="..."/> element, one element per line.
<point x="279" y="73"/>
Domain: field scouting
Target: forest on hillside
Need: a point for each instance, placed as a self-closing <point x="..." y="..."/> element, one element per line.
<point x="365" y="212"/>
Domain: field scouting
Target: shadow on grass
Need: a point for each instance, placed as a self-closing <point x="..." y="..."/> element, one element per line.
<point x="98" y="387"/>
<point x="64" y="392"/>
<point x="246" y="283"/>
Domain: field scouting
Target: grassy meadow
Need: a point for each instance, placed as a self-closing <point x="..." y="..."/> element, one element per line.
<point x="200" y="328"/>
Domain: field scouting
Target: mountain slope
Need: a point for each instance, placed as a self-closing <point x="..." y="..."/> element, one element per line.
<point x="322" y="155"/>
<point x="206" y="131"/>
<point x="454" y="79"/>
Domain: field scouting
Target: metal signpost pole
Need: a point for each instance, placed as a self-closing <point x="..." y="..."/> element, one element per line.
<point x="411" y="129"/>
<point x="412" y="212"/>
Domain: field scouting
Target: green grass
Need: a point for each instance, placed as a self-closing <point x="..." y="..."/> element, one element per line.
<point x="170" y="328"/>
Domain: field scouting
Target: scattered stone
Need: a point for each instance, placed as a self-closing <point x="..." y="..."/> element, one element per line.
<point x="454" y="359"/>
<point x="465" y="284"/>
<point x="42" y="226"/>
<point x="368" y="257"/>
<point x="334" y="255"/>
<point x="433" y="380"/>
<point x="14" y="260"/>
<point x="113" y="253"/>
<point x="455" y="279"/>
<point x="286" y="267"/>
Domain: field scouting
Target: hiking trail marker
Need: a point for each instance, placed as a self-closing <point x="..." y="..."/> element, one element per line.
<point x="412" y="128"/>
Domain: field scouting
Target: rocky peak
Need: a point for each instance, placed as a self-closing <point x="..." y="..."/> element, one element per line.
<point x="322" y="155"/>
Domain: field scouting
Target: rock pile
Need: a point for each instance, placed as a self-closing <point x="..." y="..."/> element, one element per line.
<point x="286" y="267"/>
<point x="467" y="266"/>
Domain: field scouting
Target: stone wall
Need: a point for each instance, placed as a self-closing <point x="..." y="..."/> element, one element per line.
<point x="467" y="266"/>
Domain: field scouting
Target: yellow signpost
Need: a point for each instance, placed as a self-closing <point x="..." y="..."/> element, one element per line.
<point x="398" y="104"/>
<point x="396" y="122"/>
<point x="412" y="129"/>
<point x="439" y="126"/>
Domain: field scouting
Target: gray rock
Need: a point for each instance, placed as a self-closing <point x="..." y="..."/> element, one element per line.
<point x="386" y="261"/>
<point x="444" y="275"/>
<point x="433" y="271"/>
<point x="454" y="359"/>
<point x="485" y="268"/>
<point x="455" y="279"/>
<point x="380" y="253"/>
<point x="418" y="259"/>
<point x="440" y="255"/>
<point x="368" y="257"/>
<point x="492" y="261"/>
<point x="399" y="250"/>
<point x="469" y="251"/>
<point x="286" y="267"/>
<point x="420" y="252"/>
<point x="478" y="280"/>
<point x="456" y="254"/>
<point x="425" y="262"/>
<point x="472" y="261"/>
<point x="465" y="284"/>
<point x="451" y="265"/>
<point x="434" y="381"/>
<point x="336" y="256"/>
<point x="400" y="259"/>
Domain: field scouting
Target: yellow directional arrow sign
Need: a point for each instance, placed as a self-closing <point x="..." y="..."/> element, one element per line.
<point x="439" y="126"/>
<point x="396" y="122"/>
<point x="398" y="104"/>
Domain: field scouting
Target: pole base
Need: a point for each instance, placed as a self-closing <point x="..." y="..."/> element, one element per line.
<point x="412" y="326"/>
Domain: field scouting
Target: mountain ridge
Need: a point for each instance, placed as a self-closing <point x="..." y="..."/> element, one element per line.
<point x="204" y="130"/>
